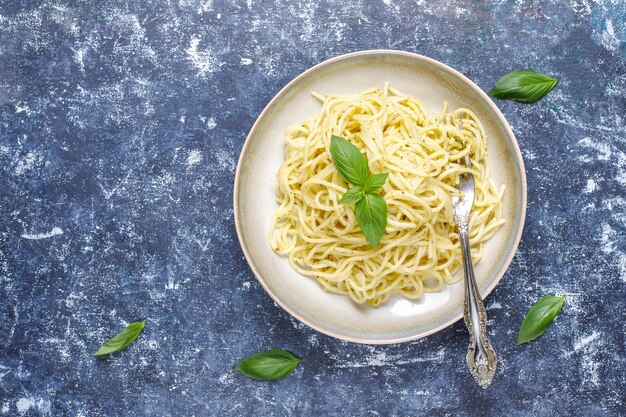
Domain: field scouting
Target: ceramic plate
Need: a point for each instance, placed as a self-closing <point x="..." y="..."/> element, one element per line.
<point x="399" y="319"/>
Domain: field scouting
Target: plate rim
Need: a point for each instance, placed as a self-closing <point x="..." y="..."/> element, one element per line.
<point x="283" y="91"/>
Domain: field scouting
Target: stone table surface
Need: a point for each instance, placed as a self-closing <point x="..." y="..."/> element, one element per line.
<point x="121" y="123"/>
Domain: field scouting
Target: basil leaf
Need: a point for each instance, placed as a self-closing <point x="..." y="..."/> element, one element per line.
<point x="371" y="214"/>
<point x="269" y="365"/>
<point x="349" y="161"/>
<point x="539" y="318"/>
<point x="525" y="86"/>
<point x="353" y="195"/>
<point x="122" y="340"/>
<point x="374" y="182"/>
<point x="371" y="209"/>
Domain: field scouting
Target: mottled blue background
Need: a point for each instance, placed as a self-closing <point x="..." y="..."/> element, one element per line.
<point x="120" y="127"/>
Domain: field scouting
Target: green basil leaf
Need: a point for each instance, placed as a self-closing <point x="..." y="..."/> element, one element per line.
<point x="539" y="318"/>
<point x="374" y="182"/>
<point x="371" y="209"/>
<point x="525" y="86"/>
<point x="122" y="340"/>
<point x="349" y="161"/>
<point x="269" y="365"/>
<point x="353" y="195"/>
<point x="371" y="214"/>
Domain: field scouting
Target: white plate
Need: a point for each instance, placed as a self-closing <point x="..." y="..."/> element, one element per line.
<point x="399" y="319"/>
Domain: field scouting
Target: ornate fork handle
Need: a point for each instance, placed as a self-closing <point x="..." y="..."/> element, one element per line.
<point x="481" y="357"/>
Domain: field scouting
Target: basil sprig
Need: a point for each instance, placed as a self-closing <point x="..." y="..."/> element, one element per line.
<point x="539" y="318"/>
<point x="371" y="209"/>
<point x="269" y="365"/>
<point x="122" y="340"/>
<point x="525" y="86"/>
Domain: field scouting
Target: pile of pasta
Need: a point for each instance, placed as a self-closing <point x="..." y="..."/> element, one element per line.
<point x="423" y="154"/>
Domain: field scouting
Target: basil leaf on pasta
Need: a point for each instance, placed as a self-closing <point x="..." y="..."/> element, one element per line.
<point x="349" y="161"/>
<point x="268" y="365"/>
<point x="525" y="86"/>
<point x="539" y="318"/>
<point x="122" y="340"/>
<point x="374" y="182"/>
<point x="371" y="214"/>
<point x="353" y="195"/>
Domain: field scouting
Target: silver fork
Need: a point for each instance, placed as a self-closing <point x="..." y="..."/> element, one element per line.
<point x="481" y="357"/>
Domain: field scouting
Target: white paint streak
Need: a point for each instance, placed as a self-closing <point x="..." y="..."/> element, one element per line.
<point x="225" y="160"/>
<point x="171" y="285"/>
<point x="608" y="152"/>
<point x="204" y="245"/>
<point x="591" y="186"/>
<point x="24" y="404"/>
<point x="207" y="6"/>
<point x="574" y="301"/>
<point x="22" y="109"/>
<point x="202" y="60"/>
<point x="382" y="359"/>
<point x="608" y="37"/>
<point x="590" y="349"/>
<point x="25" y="164"/>
<point x="582" y="7"/>
<point x="227" y="378"/>
<point x="79" y="55"/>
<point x="581" y="343"/>
<point x="608" y="245"/>
<point x="54" y="232"/>
<point x="246" y="61"/>
<point x="607" y="239"/>
<point x="194" y="158"/>
<point x="591" y="370"/>
<point x="604" y="150"/>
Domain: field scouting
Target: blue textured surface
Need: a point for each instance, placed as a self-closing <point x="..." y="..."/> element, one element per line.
<point x="120" y="128"/>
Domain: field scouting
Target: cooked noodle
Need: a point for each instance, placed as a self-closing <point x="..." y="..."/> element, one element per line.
<point x="422" y="152"/>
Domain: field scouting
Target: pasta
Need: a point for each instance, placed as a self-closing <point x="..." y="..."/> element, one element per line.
<point x="422" y="152"/>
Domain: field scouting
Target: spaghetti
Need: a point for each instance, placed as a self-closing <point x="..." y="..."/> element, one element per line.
<point x="423" y="153"/>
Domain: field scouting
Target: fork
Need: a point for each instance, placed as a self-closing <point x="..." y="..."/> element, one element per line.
<point x="481" y="357"/>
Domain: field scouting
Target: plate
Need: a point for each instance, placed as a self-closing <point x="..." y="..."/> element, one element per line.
<point x="399" y="319"/>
